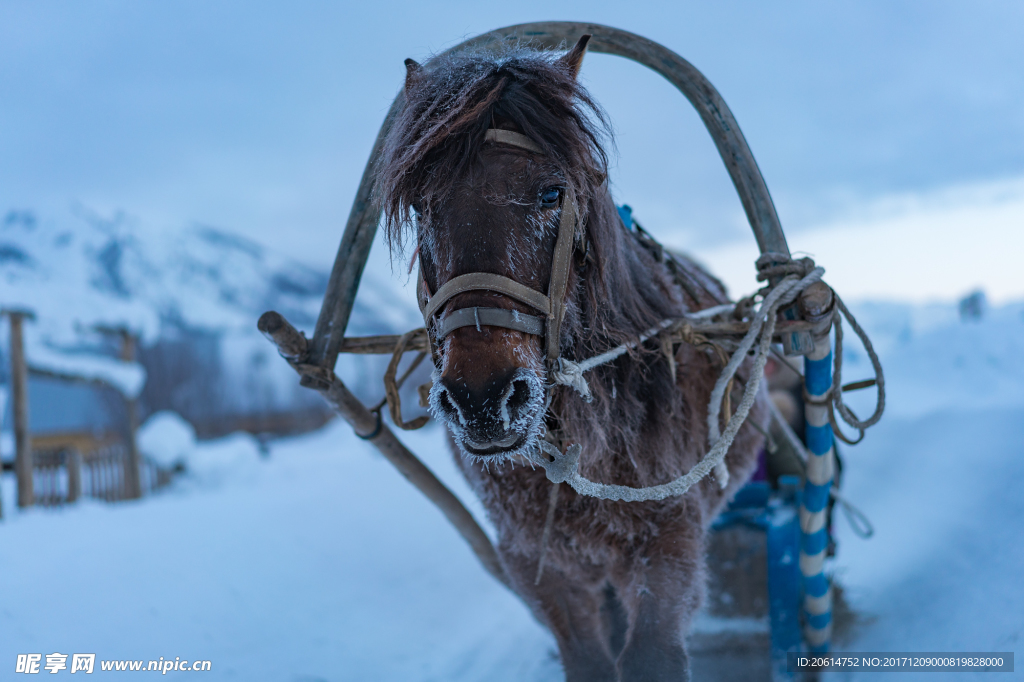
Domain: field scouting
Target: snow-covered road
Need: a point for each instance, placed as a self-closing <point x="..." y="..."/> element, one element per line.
<point x="322" y="563"/>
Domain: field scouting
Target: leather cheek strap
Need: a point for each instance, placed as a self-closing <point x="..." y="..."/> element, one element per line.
<point x="561" y="265"/>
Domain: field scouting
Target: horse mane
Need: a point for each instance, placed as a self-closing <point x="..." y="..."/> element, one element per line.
<point x="432" y="143"/>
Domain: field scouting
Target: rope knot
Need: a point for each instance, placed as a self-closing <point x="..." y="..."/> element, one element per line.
<point x="562" y="465"/>
<point x="772" y="265"/>
<point x="684" y="331"/>
<point x="569" y="373"/>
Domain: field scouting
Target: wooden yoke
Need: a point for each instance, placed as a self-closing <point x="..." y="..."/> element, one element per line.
<point x="315" y="359"/>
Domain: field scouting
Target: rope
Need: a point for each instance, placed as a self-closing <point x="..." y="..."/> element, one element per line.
<point x="569" y="373"/>
<point x="858" y="520"/>
<point x="791" y="278"/>
<point x="837" y="375"/>
<point x="833" y="398"/>
<point x="392" y="385"/>
<point x="561" y="466"/>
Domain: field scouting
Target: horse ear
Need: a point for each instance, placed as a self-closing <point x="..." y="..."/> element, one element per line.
<point x="412" y="72"/>
<point x="573" y="59"/>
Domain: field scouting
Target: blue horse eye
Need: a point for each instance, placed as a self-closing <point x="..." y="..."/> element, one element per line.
<point x="549" y="197"/>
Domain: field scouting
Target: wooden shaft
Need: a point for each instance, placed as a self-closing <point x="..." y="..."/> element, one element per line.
<point x="19" y="397"/>
<point x="379" y="345"/>
<point x="712" y="329"/>
<point x="816" y="301"/>
<point x="291" y="344"/>
<point x="351" y="258"/>
<point x="385" y="343"/>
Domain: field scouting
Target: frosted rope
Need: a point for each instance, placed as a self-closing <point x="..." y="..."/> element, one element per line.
<point x="837" y="391"/>
<point x="569" y="373"/>
<point x="564" y="466"/>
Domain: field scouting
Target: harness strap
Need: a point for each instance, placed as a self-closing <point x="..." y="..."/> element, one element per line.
<point x="486" y="281"/>
<point x="513" y="138"/>
<point x="561" y="264"/>
<point x="491" y="317"/>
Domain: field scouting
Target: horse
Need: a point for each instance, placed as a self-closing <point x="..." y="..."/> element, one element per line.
<point x="496" y="165"/>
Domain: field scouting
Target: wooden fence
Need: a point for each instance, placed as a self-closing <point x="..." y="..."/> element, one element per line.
<point x="60" y="476"/>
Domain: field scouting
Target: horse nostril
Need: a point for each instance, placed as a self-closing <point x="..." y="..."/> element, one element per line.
<point x="513" y="401"/>
<point x="450" y="409"/>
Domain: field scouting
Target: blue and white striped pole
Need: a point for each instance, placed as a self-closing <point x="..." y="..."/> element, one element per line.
<point x="817" y="605"/>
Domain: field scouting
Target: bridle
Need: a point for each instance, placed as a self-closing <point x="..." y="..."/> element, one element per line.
<point x="551" y="305"/>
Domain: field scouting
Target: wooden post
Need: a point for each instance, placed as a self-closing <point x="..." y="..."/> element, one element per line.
<point x="19" y="399"/>
<point x="132" y="480"/>
<point x="74" y="466"/>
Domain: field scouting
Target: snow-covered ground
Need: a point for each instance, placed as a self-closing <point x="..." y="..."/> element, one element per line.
<point x="319" y="562"/>
<point x="942" y="477"/>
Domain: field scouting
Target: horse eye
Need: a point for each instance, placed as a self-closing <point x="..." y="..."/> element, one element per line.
<point x="549" y="197"/>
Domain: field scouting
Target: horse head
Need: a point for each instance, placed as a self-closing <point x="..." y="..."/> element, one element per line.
<point x="494" y="161"/>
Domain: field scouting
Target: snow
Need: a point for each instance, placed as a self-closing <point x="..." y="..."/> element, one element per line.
<point x="942" y="478"/>
<point x="166" y="438"/>
<point x="126" y="377"/>
<point x="320" y="562"/>
<point x="83" y="273"/>
<point x="232" y="458"/>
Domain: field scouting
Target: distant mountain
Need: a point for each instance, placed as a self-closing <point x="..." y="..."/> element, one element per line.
<point x="192" y="296"/>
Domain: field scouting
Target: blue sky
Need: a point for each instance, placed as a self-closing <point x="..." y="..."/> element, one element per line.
<point x="257" y="117"/>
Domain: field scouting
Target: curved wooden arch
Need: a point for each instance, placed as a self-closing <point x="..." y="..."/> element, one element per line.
<point x="732" y="146"/>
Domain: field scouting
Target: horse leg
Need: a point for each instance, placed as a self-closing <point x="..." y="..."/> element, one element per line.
<point x="663" y="599"/>
<point x="573" y="611"/>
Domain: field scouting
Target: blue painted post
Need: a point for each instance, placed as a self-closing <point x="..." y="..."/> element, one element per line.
<point x="817" y="605"/>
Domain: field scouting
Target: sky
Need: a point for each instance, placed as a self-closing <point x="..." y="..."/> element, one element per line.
<point x="868" y="119"/>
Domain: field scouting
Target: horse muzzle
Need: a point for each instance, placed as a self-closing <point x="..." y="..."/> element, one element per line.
<point x="497" y="420"/>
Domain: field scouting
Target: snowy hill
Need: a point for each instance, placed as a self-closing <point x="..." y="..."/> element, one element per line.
<point x="192" y="295"/>
<point x="322" y="563"/>
<point x="81" y="270"/>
